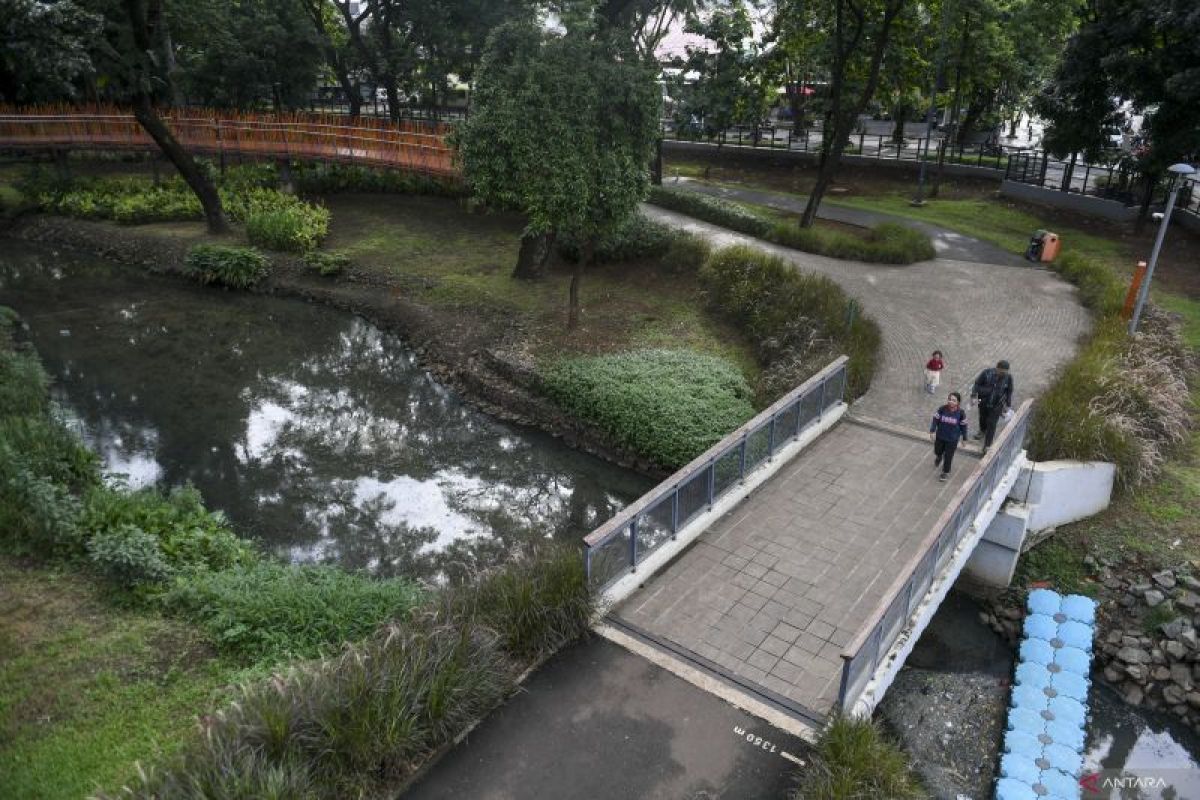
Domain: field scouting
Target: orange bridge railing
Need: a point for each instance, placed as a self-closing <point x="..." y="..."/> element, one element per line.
<point x="409" y="146"/>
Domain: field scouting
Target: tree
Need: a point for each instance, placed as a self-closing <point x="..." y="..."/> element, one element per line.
<point x="45" y="51"/>
<point x="727" y="88"/>
<point x="562" y="129"/>
<point x="335" y="46"/>
<point x="860" y="31"/>
<point x="131" y="51"/>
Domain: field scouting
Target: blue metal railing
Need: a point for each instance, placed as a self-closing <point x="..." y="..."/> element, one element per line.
<point x="619" y="545"/>
<point x="894" y="613"/>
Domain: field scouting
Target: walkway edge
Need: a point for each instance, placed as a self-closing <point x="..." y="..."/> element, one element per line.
<point x="708" y="683"/>
<point x="664" y="555"/>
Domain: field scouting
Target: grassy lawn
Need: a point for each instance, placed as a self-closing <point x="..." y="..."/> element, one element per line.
<point x="87" y="688"/>
<point x="462" y="260"/>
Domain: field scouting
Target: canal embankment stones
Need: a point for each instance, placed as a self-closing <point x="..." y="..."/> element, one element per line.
<point x="1148" y="647"/>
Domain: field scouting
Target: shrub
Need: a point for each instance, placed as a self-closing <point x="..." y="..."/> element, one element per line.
<point x="44" y="446"/>
<point x="537" y="603"/>
<point x="38" y="517"/>
<point x="173" y="202"/>
<point x="1099" y="287"/>
<point x="267" y="611"/>
<point x="637" y="238"/>
<point x="687" y="253"/>
<point x="189" y="536"/>
<point x="24" y="387"/>
<point x="128" y="556"/>
<point x="852" y="760"/>
<point x="291" y="226"/>
<point x="887" y="243"/>
<point x="327" y="264"/>
<point x="236" y="267"/>
<point x="797" y="321"/>
<point x="324" y="178"/>
<point x="669" y="405"/>
<point x="711" y="209"/>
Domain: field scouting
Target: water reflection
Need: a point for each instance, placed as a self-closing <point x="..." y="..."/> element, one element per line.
<point x="313" y="430"/>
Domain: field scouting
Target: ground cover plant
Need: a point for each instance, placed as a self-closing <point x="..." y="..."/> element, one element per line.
<point x="225" y="265"/>
<point x="669" y="405"/>
<point x="887" y="244"/>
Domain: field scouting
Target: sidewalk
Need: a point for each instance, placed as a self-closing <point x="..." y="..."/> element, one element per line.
<point x="948" y="243"/>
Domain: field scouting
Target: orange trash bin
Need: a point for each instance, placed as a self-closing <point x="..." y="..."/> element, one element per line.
<point x="1050" y="245"/>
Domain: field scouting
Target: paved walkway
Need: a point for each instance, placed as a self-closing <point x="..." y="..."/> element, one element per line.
<point x="974" y="313"/>
<point x="773" y="591"/>
<point x="600" y="723"/>
<point x="949" y="244"/>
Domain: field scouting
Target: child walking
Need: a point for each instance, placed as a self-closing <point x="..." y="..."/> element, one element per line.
<point x="933" y="371"/>
<point x="947" y="429"/>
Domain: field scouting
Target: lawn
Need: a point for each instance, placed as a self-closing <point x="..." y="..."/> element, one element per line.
<point x="87" y="688"/>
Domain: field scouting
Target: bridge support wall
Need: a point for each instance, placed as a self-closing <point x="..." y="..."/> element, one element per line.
<point x="1044" y="496"/>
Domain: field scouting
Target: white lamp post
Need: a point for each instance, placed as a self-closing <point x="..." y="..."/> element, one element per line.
<point x="1181" y="172"/>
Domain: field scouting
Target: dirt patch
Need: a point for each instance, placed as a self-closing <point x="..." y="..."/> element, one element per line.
<point x="485" y="359"/>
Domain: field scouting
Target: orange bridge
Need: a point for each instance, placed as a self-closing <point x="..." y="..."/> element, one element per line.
<point x="408" y="145"/>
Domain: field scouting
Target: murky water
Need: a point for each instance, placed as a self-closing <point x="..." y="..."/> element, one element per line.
<point x="1138" y="753"/>
<point x="314" y="431"/>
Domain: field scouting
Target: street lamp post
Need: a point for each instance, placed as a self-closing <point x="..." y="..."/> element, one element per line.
<point x="1181" y="172"/>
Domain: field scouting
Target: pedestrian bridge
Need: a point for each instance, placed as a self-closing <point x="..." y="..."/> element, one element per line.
<point x="410" y="146"/>
<point x="798" y="560"/>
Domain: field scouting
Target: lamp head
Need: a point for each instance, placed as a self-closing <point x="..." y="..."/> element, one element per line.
<point x="1181" y="169"/>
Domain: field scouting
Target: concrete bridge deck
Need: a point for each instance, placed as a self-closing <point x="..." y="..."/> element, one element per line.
<point x="773" y="591"/>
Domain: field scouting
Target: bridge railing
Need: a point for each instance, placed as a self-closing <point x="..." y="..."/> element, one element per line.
<point x="372" y="142"/>
<point x="620" y="544"/>
<point x="895" y="611"/>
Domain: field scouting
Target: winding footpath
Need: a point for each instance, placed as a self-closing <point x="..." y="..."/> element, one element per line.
<point x="599" y="721"/>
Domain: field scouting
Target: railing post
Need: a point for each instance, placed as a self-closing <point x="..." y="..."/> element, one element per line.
<point x="675" y="512"/>
<point x="742" y="461"/>
<point x="587" y="563"/>
<point x="821" y="404"/>
<point x="633" y="531"/>
<point x="771" y="440"/>
<point x="799" y="416"/>
<point x="712" y="482"/>
<point x="845" y="370"/>
<point x="847" y="665"/>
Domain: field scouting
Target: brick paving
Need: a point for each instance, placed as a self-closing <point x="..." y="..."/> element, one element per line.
<point x="773" y="591"/>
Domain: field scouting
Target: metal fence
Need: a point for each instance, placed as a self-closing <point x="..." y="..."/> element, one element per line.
<point x="894" y="613"/>
<point x="871" y="145"/>
<point x="619" y="545"/>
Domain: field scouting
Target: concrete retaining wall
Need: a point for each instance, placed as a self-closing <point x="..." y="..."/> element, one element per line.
<point x="1080" y="203"/>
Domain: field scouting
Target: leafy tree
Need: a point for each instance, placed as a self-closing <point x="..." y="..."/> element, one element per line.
<point x="561" y="129"/>
<point x="334" y="42"/>
<point x="859" y="34"/>
<point x="129" y="56"/>
<point x="45" y="52"/>
<point x="728" y="88"/>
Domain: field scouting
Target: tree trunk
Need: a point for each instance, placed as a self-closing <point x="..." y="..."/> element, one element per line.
<point x="1147" y="197"/>
<point x="533" y="255"/>
<point x="656" y="164"/>
<point x="1069" y="173"/>
<point x="898" y="130"/>
<point x="589" y="250"/>
<point x="1012" y="126"/>
<point x="393" y="98"/>
<point x="210" y="201"/>
<point x="954" y="106"/>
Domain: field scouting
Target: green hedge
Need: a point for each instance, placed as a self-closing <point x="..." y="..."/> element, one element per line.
<point x="797" y="321"/>
<point x="323" y="178"/>
<point x="853" y="759"/>
<point x="668" y="405"/>
<point x="888" y="243"/>
<point x="235" y="267"/>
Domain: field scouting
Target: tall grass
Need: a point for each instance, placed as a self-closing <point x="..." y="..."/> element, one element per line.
<point x="224" y="265"/>
<point x="854" y="760"/>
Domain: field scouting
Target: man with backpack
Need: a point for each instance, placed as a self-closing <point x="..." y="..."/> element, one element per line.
<point x="993" y="391"/>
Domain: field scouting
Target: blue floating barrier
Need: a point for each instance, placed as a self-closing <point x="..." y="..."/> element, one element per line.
<point x="1069" y="684"/>
<point x="1044" y="601"/>
<point x="1076" y="634"/>
<point x="1009" y="789"/>
<point x="1033" y="675"/>
<point x="1036" y="651"/>
<point x="1063" y="758"/>
<point x="1080" y="608"/>
<point x="1032" y="697"/>
<point x="1072" y="659"/>
<point x="1027" y="720"/>
<point x="1019" y="768"/>
<point x="1066" y="734"/>
<point x="1040" y="626"/>
<point x="1059" y="783"/>
<point x="1023" y="743"/>
<point x="1068" y="709"/>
